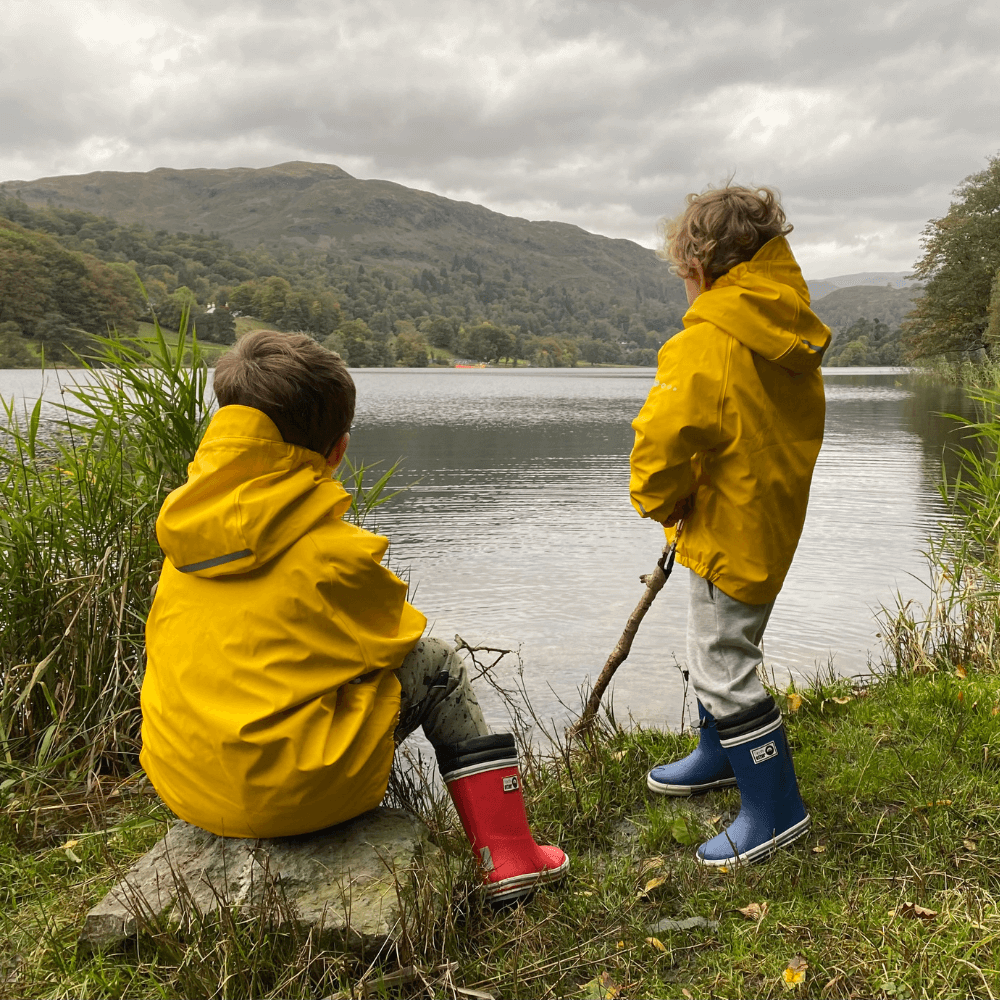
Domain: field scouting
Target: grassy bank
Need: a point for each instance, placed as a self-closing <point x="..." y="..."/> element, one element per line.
<point x="894" y="893"/>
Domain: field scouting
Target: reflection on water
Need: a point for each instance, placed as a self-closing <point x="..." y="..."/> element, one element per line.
<point x="518" y="532"/>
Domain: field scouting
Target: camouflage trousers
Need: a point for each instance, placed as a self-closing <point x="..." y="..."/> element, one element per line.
<point x="437" y="695"/>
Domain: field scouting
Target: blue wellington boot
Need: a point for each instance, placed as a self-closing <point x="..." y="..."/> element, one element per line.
<point x="771" y="814"/>
<point x="704" y="769"/>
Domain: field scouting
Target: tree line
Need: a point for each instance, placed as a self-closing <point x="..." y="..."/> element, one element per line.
<point x="376" y="315"/>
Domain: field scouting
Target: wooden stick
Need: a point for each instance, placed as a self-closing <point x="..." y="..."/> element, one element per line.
<point x="654" y="584"/>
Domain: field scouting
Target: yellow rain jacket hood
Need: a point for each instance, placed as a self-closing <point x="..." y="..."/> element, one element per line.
<point x="269" y="700"/>
<point x="734" y="421"/>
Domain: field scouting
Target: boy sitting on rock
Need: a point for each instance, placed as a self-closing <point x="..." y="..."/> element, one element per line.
<point x="724" y="452"/>
<point x="284" y="662"/>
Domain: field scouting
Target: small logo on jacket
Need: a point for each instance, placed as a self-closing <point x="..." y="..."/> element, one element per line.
<point x="510" y="783"/>
<point x="766" y="752"/>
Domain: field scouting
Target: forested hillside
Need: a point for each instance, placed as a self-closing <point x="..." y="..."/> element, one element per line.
<point x="383" y="270"/>
<point x="866" y="322"/>
<point x="840" y="308"/>
<point x="51" y="298"/>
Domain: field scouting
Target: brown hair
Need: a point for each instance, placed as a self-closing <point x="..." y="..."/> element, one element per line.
<point x="304" y="388"/>
<point x="722" y="227"/>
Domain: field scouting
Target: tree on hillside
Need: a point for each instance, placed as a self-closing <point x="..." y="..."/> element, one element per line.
<point x="601" y="352"/>
<point x="440" y="331"/>
<point x="14" y="351"/>
<point x="865" y="343"/>
<point x="993" y="319"/>
<point x="487" y="342"/>
<point x="411" y="348"/>
<point x="61" y="341"/>
<point x="59" y="296"/>
<point x="960" y="262"/>
<point x="360" y="346"/>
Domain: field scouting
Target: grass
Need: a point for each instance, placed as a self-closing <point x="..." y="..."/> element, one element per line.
<point x="210" y="352"/>
<point x="900" y="778"/>
<point x="894" y="893"/>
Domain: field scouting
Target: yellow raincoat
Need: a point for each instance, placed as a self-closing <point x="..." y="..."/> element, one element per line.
<point x="734" y="421"/>
<point x="269" y="700"/>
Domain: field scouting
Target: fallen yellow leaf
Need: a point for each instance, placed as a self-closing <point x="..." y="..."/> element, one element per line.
<point x="996" y="710"/>
<point x="68" y="845"/>
<point x="653" y="883"/>
<point x="609" y="990"/>
<point x="651" y="864"/>
<point x="754" y="911"/>
<point x="600" y="988"/>
<point x="960" y="671"/>
<point x="656" y="943"/>
<point x="715" y="819"/>
<point x="795" y="973"/>
<point x="620" y="754"/>
<point x="969" y="845"/>
<point x="844" y="700"/>
<point x="819" y="848"/>
<point x="621" y="944"/>
<point x="916" y="912"/>
<point x="794" y="702"/>
<point x="688" y="994"/>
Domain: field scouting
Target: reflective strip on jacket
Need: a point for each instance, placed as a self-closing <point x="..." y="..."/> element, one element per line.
<point x="735" y="421"/>
<point x="269" y="700"/>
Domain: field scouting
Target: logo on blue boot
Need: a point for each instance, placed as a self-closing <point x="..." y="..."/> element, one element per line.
<point x="766" y="752"/>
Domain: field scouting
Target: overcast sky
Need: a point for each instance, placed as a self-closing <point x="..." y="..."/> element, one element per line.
<point x="865" y="115"/>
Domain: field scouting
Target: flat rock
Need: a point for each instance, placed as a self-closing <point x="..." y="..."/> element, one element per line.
<point x="345" y="882"/>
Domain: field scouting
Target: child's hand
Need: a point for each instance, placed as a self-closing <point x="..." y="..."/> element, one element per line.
<point x="681" y="510"/>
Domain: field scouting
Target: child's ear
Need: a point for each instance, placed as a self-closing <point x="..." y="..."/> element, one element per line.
<point x="338" y="451"/>
<point x="699" y="270"/>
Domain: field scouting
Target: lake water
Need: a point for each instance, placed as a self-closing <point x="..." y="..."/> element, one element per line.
<point x="517" y="530"/>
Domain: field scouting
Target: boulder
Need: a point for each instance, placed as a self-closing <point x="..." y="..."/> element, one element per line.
<point x="356" y="883"/>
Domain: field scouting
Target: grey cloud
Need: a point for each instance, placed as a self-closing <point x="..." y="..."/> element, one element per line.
<point x="865" y="116"/>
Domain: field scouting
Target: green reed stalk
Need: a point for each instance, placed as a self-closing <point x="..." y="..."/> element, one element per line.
<point x="78" y="555"/>
<point x="961" y="624"/>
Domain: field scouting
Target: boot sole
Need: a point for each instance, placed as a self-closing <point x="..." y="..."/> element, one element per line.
<point x="684" y="790"/>
<point x="762" y="851"/>
<point x="517" y="886"/>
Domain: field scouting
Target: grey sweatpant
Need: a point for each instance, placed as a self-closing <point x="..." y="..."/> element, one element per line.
<point x="723" y="648"/>
<point x="438" y="696"/>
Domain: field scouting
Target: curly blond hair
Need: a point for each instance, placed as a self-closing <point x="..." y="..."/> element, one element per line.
<point x="721" y="227"/>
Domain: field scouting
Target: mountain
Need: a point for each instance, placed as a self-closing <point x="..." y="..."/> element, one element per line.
<point x="320" y="207"/>
<point x="818" y="287"/>
<point x="844" y="306"/>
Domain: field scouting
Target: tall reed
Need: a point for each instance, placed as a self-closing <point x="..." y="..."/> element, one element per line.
<point x="961" y="624"/>
<point x="78" y="553"/>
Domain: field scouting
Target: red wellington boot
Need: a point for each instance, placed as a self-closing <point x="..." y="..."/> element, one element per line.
<point x="484" y="780"/>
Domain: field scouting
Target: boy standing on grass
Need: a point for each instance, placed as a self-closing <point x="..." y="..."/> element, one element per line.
<point x="724" y="452"/>
<point x="284" y="663"/>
